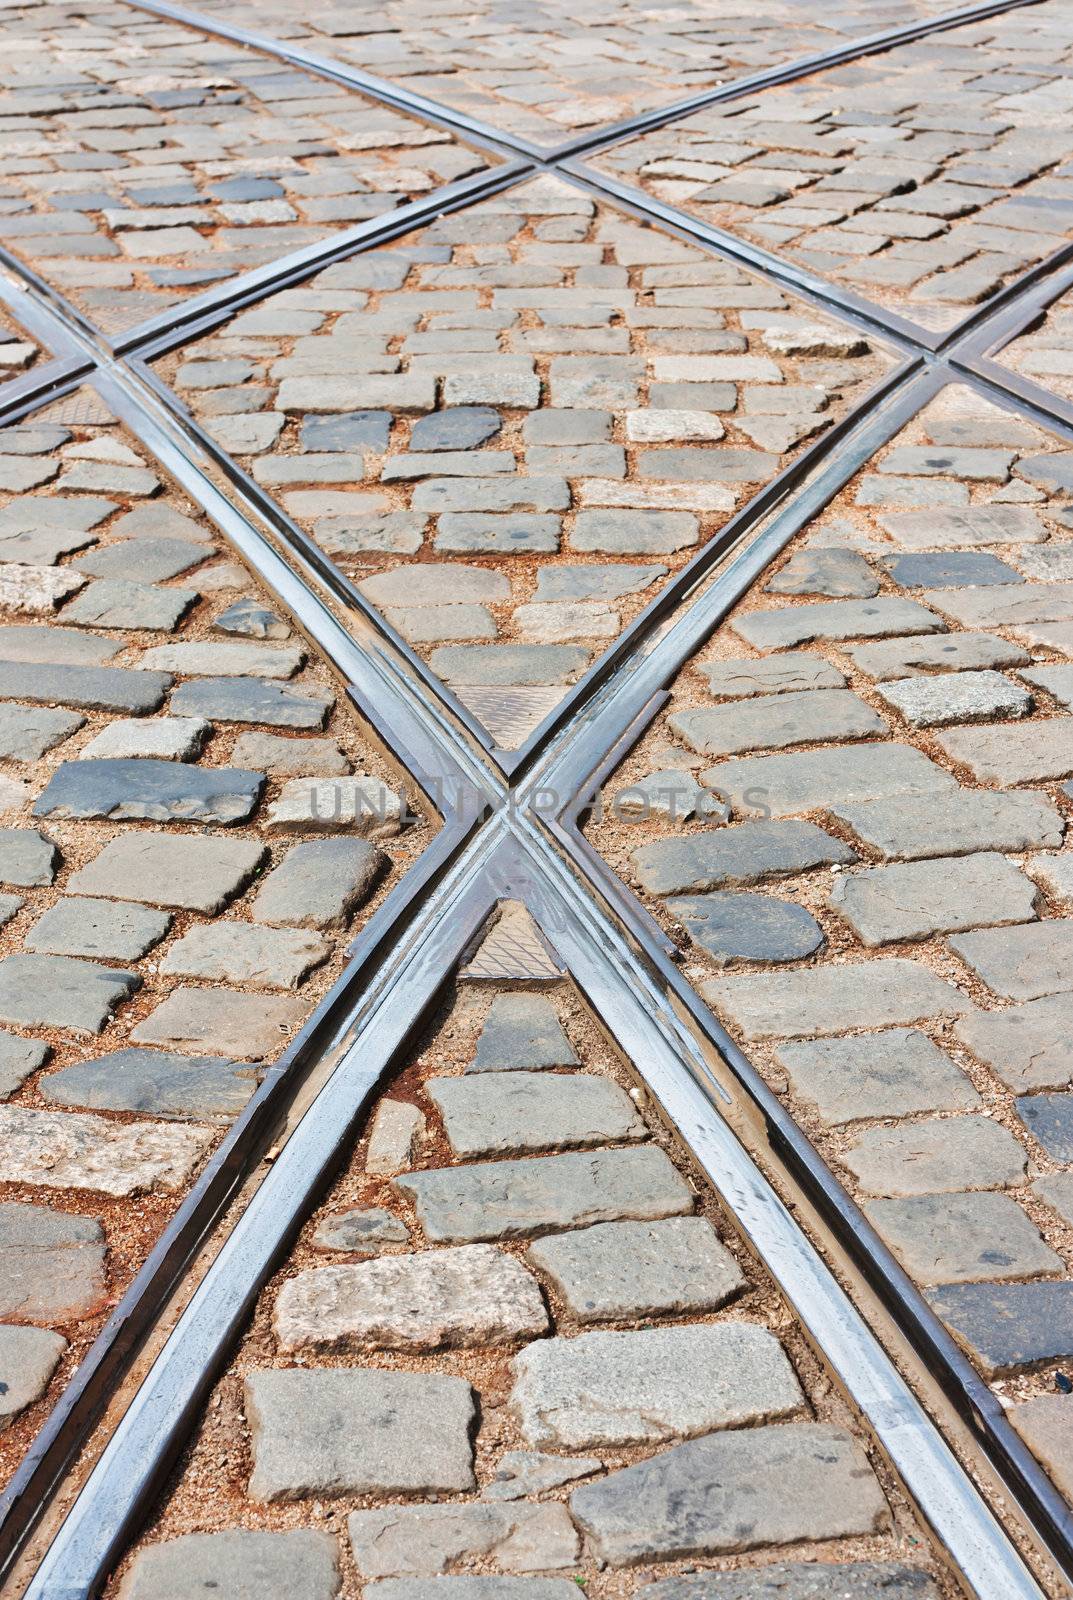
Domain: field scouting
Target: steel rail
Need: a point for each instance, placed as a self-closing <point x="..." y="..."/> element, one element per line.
<point x="660" y="608"/>
<point x="49" y="380"/>
<point x="372" y="663"/>
<point x="771" y="77"/>
<point x="503" y="860"/>
<point x="441" y="765"/>
<point x="843" y="303"/>
<point x="56" y="1448"/>
<point x="261" y="507"/>
<point x="578" y="763"/>
<point x="134" y="1462"/>
<point x="414" y="709"/>
<point x="475" y="131"/>
<point x="1032" y="1490"/>
<point x="472" y="129"/>
<point x="198" y="315"/>
<point x="628" y="992"/>
<point x="501" y="142"/>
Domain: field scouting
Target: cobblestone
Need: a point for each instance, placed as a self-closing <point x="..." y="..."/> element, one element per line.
<point x="1044" y="1425"/>
<point x="958" y="823"/>
<point x="831" y="999"/>
<point x="319" y="884"/>
<point x="584" y="330"/>
<point x="236" y="952"/>
<point x="161" y="791"/>
<point x="224" y="1021"/>
<point x="515" y="1113"/>
<point x="397" y="1129"/>
<point x="253" y="1565"/>
<point x="783" y="785"/>
<point x="516" y="1199"/>
<point x="62" y="1150"/>
<point x="962" y="1238"/>
<point x="53" y="1264"/>
<point x="891" y="1074"/>
<point x="1027" y="1045"/>
<point x="1009" y="1325"/>
<point x="731" y="1492"/>
<point x="522" y="1032"/>
<point x="156" y="1082"/>
<point x="358" y="1431"/>
<point x="630" y="1269"/>
<point x="429" y="1540"/>
<point x="739" y="926"/>
<point x="200" y="874"/>
<point x="606" y="1389"/>
<point x="1049" y="1119"/>
<point x="792" y="1580"/>
<point x="435" y="1300"/>
<point x="913" y="900"/>
<point x="957" y="697"/>
<point x="102" y="928"/>
<point x="1021" y="963"/>
<point x="28" y="1358"/>
<point x="937" y="1156"/>
<point x="775" y="722"/>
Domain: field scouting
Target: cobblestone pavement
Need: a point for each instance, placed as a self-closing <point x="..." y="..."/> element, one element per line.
<point x="543" y="71"/>
<point x="544" y="424"/>
<point x="140" y="162"/>
<point x="515" y="1343"/>
<point x="1045" y="353"/>
<point x="925" y="616"/>
<point x="174" y="896"/>
<point x="18" y="352"/>
<point x="517" y="1339"/>
<point x="923" y="178"/>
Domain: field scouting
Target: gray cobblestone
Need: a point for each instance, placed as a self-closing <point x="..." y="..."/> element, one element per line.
<point x="430" y="1540"/>
<point x="836" y="619"/>
<point x="912" y="900"/>
<point x="517" y="1199"/>
<point x="155" y="1082"/>
<point x="198" y="874"/>
<point x="53" y="1264"/>
<point x="162" y="791"/>
<point x="513" y="1113"/>
<point x="358" y="1431"/>
<point x="962" y="1238"/>
<point x="1027" y="1045"/>
<point x="252" y="1565"/>
<point x="618" y="1270"/>
<point x="28" y="1358"/>
<point x="956" y="697"/>
<point x="730" y="1492"/>
<point x="610" y="1389"/>
<point x="936" y="1156"/>
<point x="1009" y="1325"/>
<point x="776" y="721"/>
<point x="473" y="1295"/>
<point x="891" y="1074"/>
<point x="522" y="1032"/>
<point x="1021" y="963"/>
<point x="826" y="1000"/>
<point x="954" y="823"/>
